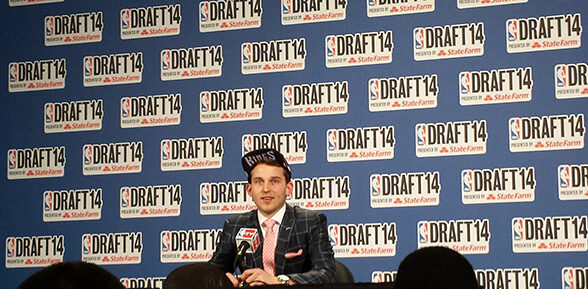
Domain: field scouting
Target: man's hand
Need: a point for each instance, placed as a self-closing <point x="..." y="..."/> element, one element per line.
<point x="233" y="279"/>
<point x="258" y="277"/>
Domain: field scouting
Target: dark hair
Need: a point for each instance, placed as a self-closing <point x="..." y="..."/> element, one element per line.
<point x="197" y="276"/>
<point x="72" y="275"/>
<point x="435" y="268"/>
<point x="273" y="163"/>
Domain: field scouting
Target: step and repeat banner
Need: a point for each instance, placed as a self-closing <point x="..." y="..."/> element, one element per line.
<point x="409" y="123"/>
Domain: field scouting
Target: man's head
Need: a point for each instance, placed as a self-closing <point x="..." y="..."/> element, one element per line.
<point x="269" y="180"/>
<point x="72" y="275"/>
<point x="197" y="276"/>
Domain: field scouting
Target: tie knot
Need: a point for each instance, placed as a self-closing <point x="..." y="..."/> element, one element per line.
<point x="269" y="224"/>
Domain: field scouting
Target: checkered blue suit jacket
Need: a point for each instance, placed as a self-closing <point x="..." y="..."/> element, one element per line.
<point x="300" y="229"/>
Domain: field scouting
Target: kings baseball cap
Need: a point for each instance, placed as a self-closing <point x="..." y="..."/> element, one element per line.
<point x="252" y="158"/>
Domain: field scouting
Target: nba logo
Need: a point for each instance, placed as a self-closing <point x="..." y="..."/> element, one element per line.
<point x="205" y="193"/>
<point x="515" y="129"/>
<point x="374" y="89"/>
<point x="371" y="2"/>
<point x="518" y="229"/>
<point x="10" y="247"/>
<point x="287" y="95"/>
<point x="377" y="277"/>
<point x="419" y="38"/>
<point x="165" y="150"/>
<point x="287" y="7"/>
<point x="423" y="232"/>
<point x="13" y="72"/>
<point x="334" y="235"/>
<point x="48" y="201"/>
<point x="125" y="19"/>
<point x="567" y="278"/>
<point x="165" y="241"/>
<point x="561" y="75"/>
<point x="126" y="283"/>
<point x="49" y="26"/>
<point x="125" y="107"/>
<point x="125" y="194"/>
<point x="12" y="159"/>
<point x="464" y="82"/>
<point x="421" y="133"/>
<point x="376" y="185"/>
<point x="204" y="11"/>
<point x="87" y="154"/>
<point x="466" y="180"/>
<point x="49" y="113"/>
<point x="204" y="101"/>
<point x="165" y="60"/>
<point x="564" y="177"/>
<point x="247" y="144"/>
<point x="86" y="244"/>
<point x="87" y="66"/>
<point x="246" y="51"/>
<point x="511" y="27"/>
<point x="332" y="139"/>
<point x="331" y="46"/>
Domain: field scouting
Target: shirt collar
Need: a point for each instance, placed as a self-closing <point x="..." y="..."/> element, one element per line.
<point x="278" y="216"/>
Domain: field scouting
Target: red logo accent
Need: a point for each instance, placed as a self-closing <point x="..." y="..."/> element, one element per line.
<point x="309" y="205"/>
<point x="396" y="104"/>
<point x="31" y="85"/>
<point x="105" y="259"/>
<point x="185" y="256"/>
<point x="355" y="251"/>
<point x="107" y="79"/>
<point x="442" y="53"/>
<point x="185" y="73"/>
<point x="354" y="155"/>
<point x="307" y="17"/>
<point x="68" y="39"/>
<point x="144" y="121"/>
<point x="267" y="67"/>
<point x="225" y="208"/>
<point x="394" y="9"/>
<point x="144" y="212"/>
<point x="30" y="173"/>
<point x="542" y="246"/>
<point x="485" y="1"/>
<point x="67" y="126"/>
<point x="66" y="215"/>
<point x="536" y="45"/>
<point x="144" y="32"/>
<point x="308" y="110"/>
<point x="224" y="25"/>
<point x="29" y="262"/>
<point x="491" y="197"/>
<point x="106" y="169"/>
<point x="185" y="165"/>
<point x="225" y="116"/>
<point x="586" y="194"/>
<point x="352" y="60"/>
<point x="585" y="91"/>
<point x="488" y="98"/>
<point x="539" y="145"/>
<point x="444" y="150"/>
<point x="398" y="201"/>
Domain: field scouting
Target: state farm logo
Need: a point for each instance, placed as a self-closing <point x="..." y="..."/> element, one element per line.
<point x="34" y="251"/>
<point x="571" y="80"/>
<point x="404" y="190"/>
<point x="30" y="163"/>
<point x="113" y="69"/>
<point x="377" y="8"/>
<point x="320" y="193"/>
<point x="188" y="246"/>
<point x="502" y="185"/>
<point x="358" y="144"/>
<point x="509" y="278"/>
<point x="112" y="158"/>
<point x="293" y="145"/>
<point x="151" y="110"/>
<point x="72" y="205"/>
<point x="192" y="153"/>
<point x="463" y="236"/>
<point x="225" y="198"/>
<point x="150" y="201"/>
<point x="363" y="240"/>
<point x="365" y="48"/>
<point x="549" y="234"/>
<point x="449" y="41"/>
<point x="229" y="15"/>
<point x="300" y="100"/>
<point x="543" y="33"/>
<point x="405" y="92"/>
<point x="300" y="12"/>
<point x="552" y="132"/>
<point x="191" y="63"/>
<point x="462" y="4"/>
<point x="495" y="86"/>
<point x="73" y="29"/>
<point x="83" y="115"/>
<point x="147" y="282"/>
<point x="273" y="56"/>
<point x="37" y="75"/>
<point x="451" y="138"/>
<point x="573" y="182"/>
<point x="231" y="105"/>
<point x="112" y="248"/>
<point x="154" y="21"/>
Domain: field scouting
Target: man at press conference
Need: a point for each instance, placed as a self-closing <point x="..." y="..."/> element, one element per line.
<point x="294" y="242"/>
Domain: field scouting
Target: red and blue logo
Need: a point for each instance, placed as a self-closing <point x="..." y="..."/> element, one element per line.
<point x="48" y="201"/>
<point x="376" y="186"/>
<point x="423" y="232"/>
<point x="371" y="2"/>
<point x="374" y="89"/>
<point x="467" y="181"/>
<point x="246" y="48"/>
<point x="87" y="154"/>
<point x="247" y="144"/>
<point x="10" y="247"/>
<point x="49" y="113"/>
<point x="13" y="72"/>
<point x="204" y="101"/>
<point x="86" y="244"/>
<point x="512" y="30"/>
<point x="49" y="26"/>
<point x="561" y="75"/>
<point x="204" y="12"/>
<point x="165" y="241"/>
<point x="518" y="229"/>
<point x="165" y="60"/>
<point x="125" y="106"/>
<point x="421" y="134"/>
<point x="11" y="159"/>
<point x="88" y="69"/>
<point x="334" y="235"/>
<point x="165" y="150"/>
<point x="287" y="7"/>
<point x="331" y="46"/>
<point x="287" y="95"/>
<point x="564" y="177"/>
<point x="205" y="193"/>
<point x="125" y="19"/>
<point x="515" y="129"/>
<point x="568" y="278"/>
<point x="419" y="38"/>
<point x="465" y="83"/>
<point x="125" y="197"/>
<point x="332" y="139"/>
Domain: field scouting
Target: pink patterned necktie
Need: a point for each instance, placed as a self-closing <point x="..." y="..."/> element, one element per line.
<point x="269" y="247"/>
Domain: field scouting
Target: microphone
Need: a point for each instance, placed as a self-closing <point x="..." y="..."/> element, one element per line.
<point x="247" y="242"/>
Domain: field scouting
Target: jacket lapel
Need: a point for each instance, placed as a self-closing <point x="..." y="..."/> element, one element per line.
<point x="282" y="244"/>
